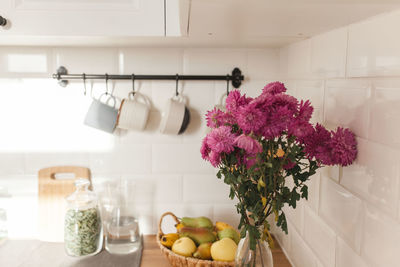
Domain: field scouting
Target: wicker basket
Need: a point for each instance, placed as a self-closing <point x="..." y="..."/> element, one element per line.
<point x="181" y="261"/>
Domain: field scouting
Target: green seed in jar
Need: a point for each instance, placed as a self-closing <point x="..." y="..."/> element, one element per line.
<point x="82" y="231"/>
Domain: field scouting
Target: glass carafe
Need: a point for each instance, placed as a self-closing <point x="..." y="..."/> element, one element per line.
<point x="121" y="227"/>
<point x="83" y="233"/>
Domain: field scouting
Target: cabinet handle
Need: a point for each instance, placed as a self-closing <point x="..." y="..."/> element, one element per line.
<point x="3" y="21"/>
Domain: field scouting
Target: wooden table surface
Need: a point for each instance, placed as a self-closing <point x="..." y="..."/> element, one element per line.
<point x="152" y="255"/>
<point x="34" y="253"/>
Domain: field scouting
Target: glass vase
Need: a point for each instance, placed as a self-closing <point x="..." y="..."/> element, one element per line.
<point x="261" y="257"/>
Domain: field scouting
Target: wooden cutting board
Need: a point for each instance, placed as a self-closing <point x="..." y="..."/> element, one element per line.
<point x="55" y="183"/>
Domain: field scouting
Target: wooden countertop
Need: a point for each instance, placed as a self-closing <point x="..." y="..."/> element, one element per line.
<point x="152" y="255"/>
<point x="28" y="253"/>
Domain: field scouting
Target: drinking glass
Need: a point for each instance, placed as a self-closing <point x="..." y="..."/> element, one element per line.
<point x="120" y="224"/>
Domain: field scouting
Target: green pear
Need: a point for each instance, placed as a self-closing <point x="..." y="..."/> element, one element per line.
<point x="198" y="235"/>
<point x="203" y="251"/>
<point x="229" y="233"/>
<point x="202" y="222"/>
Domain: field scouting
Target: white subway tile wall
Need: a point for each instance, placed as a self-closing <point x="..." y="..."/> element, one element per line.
<point x="320" y="237"/>
<point x="351" y="75"/>
<point x="44" y="125"/>
<point x="353" y="215"/>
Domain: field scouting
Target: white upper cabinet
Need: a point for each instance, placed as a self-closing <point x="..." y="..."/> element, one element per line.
<point x="84" y="17"/>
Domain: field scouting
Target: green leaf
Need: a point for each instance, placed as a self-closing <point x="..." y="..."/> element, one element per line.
<point x="232" y="193"/>
<point x="243" y="232"/>
<point x="282" y="222"/>
<point x="304" y="192"/>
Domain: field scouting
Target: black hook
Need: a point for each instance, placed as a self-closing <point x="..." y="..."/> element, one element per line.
<point x="133" y="84"/>
<point x="106" y="84"/>
<point x="227" y="84"/>
<point x="84" y="83"/>
<point x="176" y="88"/>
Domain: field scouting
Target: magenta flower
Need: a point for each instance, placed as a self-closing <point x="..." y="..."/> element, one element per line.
<point x="249" y="123"/>
<point x="249" y="160"/>
<point x="205" y="149"/>
<point x="236" y="100"/>
<point x="316" y="145"/>
<point x="215" y="158"/>
<point x="216" y="118"/>
<point x="279" y="120"/>
<point x="343" y="147"/>
<point x="331" y="148"/>
<point x="249" y="144"/>
<point x="305" y="111"/>
<point x="250" y="118"/>
<point x="300" y="129"/>
<point x="221" y="139"/>
<point x="274" y="88"/>
<point x="282" y="100"/>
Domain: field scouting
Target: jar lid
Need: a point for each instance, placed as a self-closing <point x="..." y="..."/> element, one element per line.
<point x="82" y="197"/>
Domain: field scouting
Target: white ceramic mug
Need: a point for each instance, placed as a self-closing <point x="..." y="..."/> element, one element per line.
<point x="101" y="115"/>
<point x="133" y="112"/>
<point x="175" y="117"/>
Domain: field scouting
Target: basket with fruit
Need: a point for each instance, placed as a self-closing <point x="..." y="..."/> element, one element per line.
<point x="199" y="243"/>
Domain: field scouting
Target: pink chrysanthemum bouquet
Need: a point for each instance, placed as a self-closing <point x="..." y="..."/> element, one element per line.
<point x="259" y="143"/>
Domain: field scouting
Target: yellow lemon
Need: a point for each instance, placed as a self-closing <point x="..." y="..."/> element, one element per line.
<point x="224" y="250"/>
<point x="184" y="246"/>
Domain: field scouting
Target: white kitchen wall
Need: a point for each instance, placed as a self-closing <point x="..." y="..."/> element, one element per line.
<point x="352" y="76"/>
<point x="42" y="126"/>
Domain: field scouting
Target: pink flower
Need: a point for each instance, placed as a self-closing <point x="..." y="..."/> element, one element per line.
<point x="316" y="145"/>
<point x="250" y="118"/>
<point x="288" y="101"/>
<point x="221" y="139"/>
<point x="250" y="145"/>
<point x="216" y="118"/>
<point x="305" y="111"/>
<point x="274" y="88"/>
<point x="330" y="148"/>
<point x="300" y="129"/>
<point x="280" y="118"/>
<point x="343" y="147"/>
<point x="205" y="149"/>
<point x="235" y="100"/>
<point x="249" y="160"/>
<point x="215" y="158"/>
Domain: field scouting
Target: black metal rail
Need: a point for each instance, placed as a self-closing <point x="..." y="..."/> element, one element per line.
<point x="62" y="75"/>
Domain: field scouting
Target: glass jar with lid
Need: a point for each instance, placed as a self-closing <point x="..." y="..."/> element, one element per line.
<point x="83" y="233"/>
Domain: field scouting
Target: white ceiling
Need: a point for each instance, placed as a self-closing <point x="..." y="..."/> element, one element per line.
<point x="240" y="23"/>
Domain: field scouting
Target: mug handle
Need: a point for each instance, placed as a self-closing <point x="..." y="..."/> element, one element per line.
<point x="179" y="98"/>
<point x="221" y="99"/>
<point x="110" y="97"/>
<point x="132" y="96"/>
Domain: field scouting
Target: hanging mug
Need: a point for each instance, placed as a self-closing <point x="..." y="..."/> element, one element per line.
<point x="101" y="115"/>
<point x="175" y="117"/>
<point x="221" y="103"/>
<point x="133" y="112"/>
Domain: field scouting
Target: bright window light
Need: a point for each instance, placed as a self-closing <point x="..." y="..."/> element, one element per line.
<point x="27" y="63"/>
